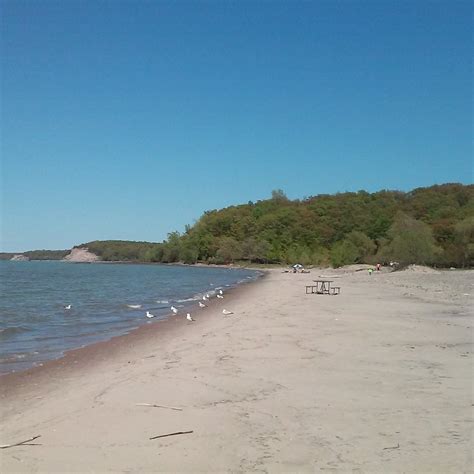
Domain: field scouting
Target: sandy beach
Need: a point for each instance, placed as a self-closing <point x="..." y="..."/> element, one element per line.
<point x="376" y="379"/>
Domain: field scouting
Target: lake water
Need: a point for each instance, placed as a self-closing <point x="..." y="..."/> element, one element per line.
<point x="35" y="326"/>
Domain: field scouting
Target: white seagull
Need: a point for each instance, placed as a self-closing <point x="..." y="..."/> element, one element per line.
<point x="205" y="298"/>
<point x="175" y="311"/>
<point x="220" y="292"/>
<point x="189" y="318"/>
<point x="220" y="296"/>
<point x="226" y="312"/>
<point x="149" y="315"/>
<point x="202" y="305"/>
<point x="68" y="306"/>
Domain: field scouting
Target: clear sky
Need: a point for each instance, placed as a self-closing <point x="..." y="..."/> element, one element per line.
<point x="127" y="120"/>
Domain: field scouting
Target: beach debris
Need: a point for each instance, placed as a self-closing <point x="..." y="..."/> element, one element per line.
<point x="149" y="315"/>
<point x="134" y="306"/>
<point x="21" y="443"/>
<point x="226" y="312"/>
<point x="189" y="317"/>
<point x="154" y="405"/>
<point x="393" y="447"/>
<point x="172" y="434"/>
<point x="68" y="306"/>
<point x="175" y="311"/>
<point x="220" y="296"/>
<point x="202" y="305"/>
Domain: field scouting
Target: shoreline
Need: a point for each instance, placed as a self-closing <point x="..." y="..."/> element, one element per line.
<point x="80" y="357"/>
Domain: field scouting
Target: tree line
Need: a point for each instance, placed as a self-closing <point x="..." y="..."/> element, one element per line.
<point x="433" y="226"/>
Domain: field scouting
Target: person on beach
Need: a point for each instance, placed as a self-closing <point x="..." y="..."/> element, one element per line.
<point x="378" y="267"/>
<point x="370" y="271"/>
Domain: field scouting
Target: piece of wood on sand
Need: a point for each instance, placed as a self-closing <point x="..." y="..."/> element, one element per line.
<point x="393" y="447"/>
<point x="21" y="443"/>
<point x="157" y="406"/>
<point x="172" y="434"/>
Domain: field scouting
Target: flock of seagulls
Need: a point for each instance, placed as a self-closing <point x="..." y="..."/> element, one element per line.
<point x="174" y="310"/>
<point x="201" y="304"/>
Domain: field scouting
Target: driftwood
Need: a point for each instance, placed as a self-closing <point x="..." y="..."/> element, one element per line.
<point x="172" y="434"/>
<point x="5" y="446"/>
<point x="157" y="406"/>
<point x="393" y="447"/>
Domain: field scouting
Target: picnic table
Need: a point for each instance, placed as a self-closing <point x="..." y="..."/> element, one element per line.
<point x="322" y="287"/>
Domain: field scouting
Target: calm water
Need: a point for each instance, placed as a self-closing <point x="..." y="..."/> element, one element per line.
<point x="34" y="326"/>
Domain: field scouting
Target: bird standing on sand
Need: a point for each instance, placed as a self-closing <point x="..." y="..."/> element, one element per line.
<point x="202" y="305"/>
<point x="220" y="297"/>
<point x="175" y="311"/>
<point x="68" y="306"/>
<point x="189" y="318"/>
<point x="205" y="298"/>
<point x="149" y="315"/>
<point x="226" y="312"/>
<point x="220" y="292"/>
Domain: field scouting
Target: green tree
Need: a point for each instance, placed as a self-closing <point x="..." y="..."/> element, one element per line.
<point x="344" y="253"/>
<point x="412" y="241"/>
<point x="229" y="250"/>
<point x="464" y="238"/>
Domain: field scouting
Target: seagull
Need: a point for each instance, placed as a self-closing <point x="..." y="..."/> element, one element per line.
<point x="226" y="312"/>
<point x="220" y="292"/>
<point x="149" y="315"/>
<point x="175" y="311"/>
<point x="205" y="298"/>
<point x="220" y="296"/>
<point x="202" y="305"/>
<point x="68" y="306"/>
<point x="189" y="318"/>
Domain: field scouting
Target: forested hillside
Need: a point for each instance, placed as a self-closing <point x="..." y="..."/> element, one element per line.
<point x="432" y="226"/>
<point x="37" y="254"/>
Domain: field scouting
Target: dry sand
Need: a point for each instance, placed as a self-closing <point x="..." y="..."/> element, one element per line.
<point x="377" y="379"/>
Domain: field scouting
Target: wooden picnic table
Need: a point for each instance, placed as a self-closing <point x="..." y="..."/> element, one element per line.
<point x="321" y="287"/>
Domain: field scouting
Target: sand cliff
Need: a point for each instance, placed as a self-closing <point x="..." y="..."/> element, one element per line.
<point x="81" y="255"/>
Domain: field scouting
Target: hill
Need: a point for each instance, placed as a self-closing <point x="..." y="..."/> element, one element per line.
<point x="433" y="225"/>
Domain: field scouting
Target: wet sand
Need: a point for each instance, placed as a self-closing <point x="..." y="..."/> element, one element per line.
<point x="376" y="379"/>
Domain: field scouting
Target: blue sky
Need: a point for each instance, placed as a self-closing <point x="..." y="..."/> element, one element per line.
<point x="127" y="120"/>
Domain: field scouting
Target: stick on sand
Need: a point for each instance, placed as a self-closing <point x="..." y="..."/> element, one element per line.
<point x="172" y="434"/>
<point x="393" y="447"/>
<point x="5" y="446"/>
<point x="157" y="406"/>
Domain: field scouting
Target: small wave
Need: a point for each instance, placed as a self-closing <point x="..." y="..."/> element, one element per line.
<point x="14" y="358"/>
<point x="11" y="331"/>
<point x="185" y="300"/>
<point x="162" y="301"/>
<point x="134" y="306"/>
